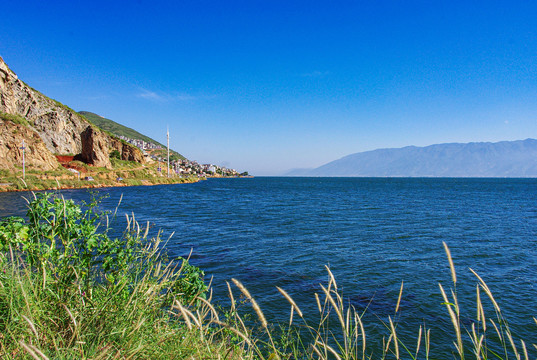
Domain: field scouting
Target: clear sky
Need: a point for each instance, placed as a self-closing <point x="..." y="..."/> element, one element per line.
<point x="267" y="86"/>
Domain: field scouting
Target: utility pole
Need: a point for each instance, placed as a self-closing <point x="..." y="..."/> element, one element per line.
<point x="23" y="162"/>
<point x="168" y="139"/>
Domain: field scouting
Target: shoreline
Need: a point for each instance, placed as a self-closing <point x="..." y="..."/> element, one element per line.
<point x="84" y="184"/>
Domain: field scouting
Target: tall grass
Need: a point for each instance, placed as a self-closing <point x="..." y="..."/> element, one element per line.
<point x="68" y="291"/>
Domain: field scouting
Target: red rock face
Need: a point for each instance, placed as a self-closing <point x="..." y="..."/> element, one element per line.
<point x="64" y="159"/>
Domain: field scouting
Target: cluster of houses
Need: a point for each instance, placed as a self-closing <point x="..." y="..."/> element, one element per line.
<point x="187" y="167"/>
<point x="181" y="167"/>
<point x="141" y="144"/>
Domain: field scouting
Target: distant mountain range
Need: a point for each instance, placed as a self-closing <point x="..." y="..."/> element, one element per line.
<point x="476" y="159"/>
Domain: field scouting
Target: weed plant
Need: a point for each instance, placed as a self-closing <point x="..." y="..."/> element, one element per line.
<point x="17" y="119"/>
<point x="69" y="291"/>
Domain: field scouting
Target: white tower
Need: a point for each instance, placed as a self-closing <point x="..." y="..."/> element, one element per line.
<point x="168" y="139"/>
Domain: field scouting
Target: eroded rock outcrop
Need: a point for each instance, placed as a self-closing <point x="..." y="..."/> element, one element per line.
<point x="60" y="129"/>
<point x="127" y="151"/>
<point x="95" y="145"/>
<point x="36" y="154"/>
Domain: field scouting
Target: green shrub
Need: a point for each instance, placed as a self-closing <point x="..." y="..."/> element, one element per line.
<point x="68" y="290"/>
<point x="114" y="154"/>
<point x="62" y="240"/>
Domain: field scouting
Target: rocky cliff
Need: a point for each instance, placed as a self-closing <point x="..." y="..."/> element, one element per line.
<point x="36" y="153"/>
<point x="59" y="129"/>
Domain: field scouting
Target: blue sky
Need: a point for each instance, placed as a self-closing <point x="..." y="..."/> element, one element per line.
<point x="267" y="86"/>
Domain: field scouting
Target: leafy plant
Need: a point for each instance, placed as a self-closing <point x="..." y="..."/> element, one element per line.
<point x="13" y="232"/>
<point x="191" y="284"/>
<point x="115" y="154"/>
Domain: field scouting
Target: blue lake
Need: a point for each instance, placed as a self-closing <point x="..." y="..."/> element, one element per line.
<point x="374" y="233"/>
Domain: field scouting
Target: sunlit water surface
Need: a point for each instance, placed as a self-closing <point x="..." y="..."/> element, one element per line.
<point x="372" y="233"/>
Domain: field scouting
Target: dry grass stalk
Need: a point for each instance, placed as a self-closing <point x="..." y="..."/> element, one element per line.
<point x="177" y="305"/>
<point x="524" y="349"/>
<point x="487" y="291"/>
<point x="451" y="265"/>
<point x="320" y="308"/>
<point x="34" y="330"/>
<point x="103" y="353"/>
<point x="428" y="344"/>
<point x="513" y="346"/>
<point x="477" y="341"/>
<point x="334" y="352"/>
<point x="291" y="301"/>
<point x="318" y="352"/>
<point x="33" y="351"/>
<point x="454" y="321"/>
<point x="189" y="313"/>
<point x="387" y="345"/>
<point x="497" y="330"/>
<point x="480" y="310"/>
<point x="358" y="319"/>
<point x="256" y="307"/>
<point x="332" y="278"/>
<point x="146" y="227"/>
<point x="419" y="342"/>
<point x="117" y="207"/>
<point x="214" y="313"/>
<point x="292" y="312"/>
<point x="139" y="324"/>
<point x="394" y="333"/>
<point x="231" y="297"/>
<point x="399" y="298"/>
<point x="75" y="331"/>
<point x="246" y="338"/>
<point x="348" y="320"/>
<point x="334" y="305"/>
<point x="479" y="346"/>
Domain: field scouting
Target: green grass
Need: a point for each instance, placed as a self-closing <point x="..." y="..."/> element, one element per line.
<point x="123" y="164"/>
<point x="17" y="119"/>
<point x="133" y="174"/>
<point x="68" y="291"/>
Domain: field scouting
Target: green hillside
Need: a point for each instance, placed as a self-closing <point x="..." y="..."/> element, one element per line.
<point x="121" y="130"/>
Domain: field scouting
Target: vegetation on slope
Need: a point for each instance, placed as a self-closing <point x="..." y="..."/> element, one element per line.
<point x="17" y="119"/>
<point x="123" y="173"/>
<point x="121" y="130"/>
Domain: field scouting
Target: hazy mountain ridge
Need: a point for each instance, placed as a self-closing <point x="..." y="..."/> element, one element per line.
<point x="476" y="159"/>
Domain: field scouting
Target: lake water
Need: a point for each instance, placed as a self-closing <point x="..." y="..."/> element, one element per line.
<point x="373" y="233"/>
